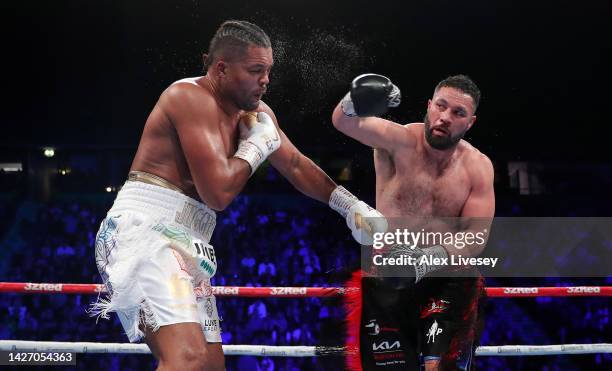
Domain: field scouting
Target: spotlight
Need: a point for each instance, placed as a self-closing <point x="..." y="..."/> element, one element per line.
<point x="49" y="151"/>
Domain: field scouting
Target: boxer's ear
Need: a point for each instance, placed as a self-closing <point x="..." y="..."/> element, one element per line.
<point x="221" y="69"/>
<point x="472" y="121"/>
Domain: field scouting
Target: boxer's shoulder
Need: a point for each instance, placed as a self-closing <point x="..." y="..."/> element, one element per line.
<point x="188" y="88"/>
<point x="185" y="97"/>
<point x="193" y="81"/>
<point x="415" y="128"/>
<point x="410" y="135"/>
<point x="477" y="163"/>
<point x="471" y="153"/>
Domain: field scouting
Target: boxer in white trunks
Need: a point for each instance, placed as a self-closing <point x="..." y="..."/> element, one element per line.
<point x="203" y="140"/>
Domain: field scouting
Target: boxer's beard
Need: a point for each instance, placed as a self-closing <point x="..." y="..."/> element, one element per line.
<point x="250" y="106"/>
<point x="440" y="143"/>
<point x="247" y="105"/>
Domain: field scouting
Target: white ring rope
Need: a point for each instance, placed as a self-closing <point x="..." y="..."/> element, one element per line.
<point x="289" y="351"/>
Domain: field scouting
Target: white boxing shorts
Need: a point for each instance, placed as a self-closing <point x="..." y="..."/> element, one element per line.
<point x="153" y="255"/>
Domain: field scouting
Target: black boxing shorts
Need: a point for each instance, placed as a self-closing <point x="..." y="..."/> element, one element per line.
<point x="450" y="320"/>
<point x="400" y="328"/>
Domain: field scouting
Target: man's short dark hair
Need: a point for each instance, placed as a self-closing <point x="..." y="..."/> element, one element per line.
<point x="464" y="84"/>
<point x="232" y="40"/>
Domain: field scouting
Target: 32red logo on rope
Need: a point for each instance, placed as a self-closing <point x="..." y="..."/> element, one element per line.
<point x="584" y="289"/>
<point x="520" y="290"/>
<point x="288" y="291"/>
<point x="43" y="286"/>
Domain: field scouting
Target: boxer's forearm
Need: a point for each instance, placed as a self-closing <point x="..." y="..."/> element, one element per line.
<point x="222" y="184"/>
<point x="372" y="131"/>
<point x="309" y="179"/>
<point x="302" y="173"/>
<point x="480" y="228"/>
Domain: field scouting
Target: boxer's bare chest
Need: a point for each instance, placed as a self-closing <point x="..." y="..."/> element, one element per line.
<point x="229" y="135"/>
<point x="160" y="151"/>
<point x="408" y="184"/>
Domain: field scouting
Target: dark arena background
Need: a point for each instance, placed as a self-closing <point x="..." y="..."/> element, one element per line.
<point x="79" y="79"/>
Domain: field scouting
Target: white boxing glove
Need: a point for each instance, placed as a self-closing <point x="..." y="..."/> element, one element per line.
<point x="363" y="220"/>
<point x="421" y="268"/>
<point x="258" y="139"/>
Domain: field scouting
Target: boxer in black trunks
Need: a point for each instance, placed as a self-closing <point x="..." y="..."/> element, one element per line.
<point x="422" y="170"/>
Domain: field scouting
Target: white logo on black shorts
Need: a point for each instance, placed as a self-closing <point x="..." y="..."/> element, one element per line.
<point x="373" y="327"/>
<point x="433" y="331"/>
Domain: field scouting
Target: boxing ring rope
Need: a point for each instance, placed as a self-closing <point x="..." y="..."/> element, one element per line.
<point x="288" y="351"/>
<point x="302" y="292"/>
<point x="297" y="292"/>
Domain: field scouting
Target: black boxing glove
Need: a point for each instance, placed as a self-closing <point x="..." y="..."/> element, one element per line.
<point x="370" y="95"/>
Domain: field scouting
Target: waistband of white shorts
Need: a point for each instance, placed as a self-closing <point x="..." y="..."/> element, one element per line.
<point x="166" y="205"/>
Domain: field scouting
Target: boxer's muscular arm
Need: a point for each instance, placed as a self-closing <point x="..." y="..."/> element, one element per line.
<point x="479" y="208"/>
<point x="217" y="177"/>
<point x="298" y="169"/>
<point x="481" y="201"/>
<point x="309" y="179"/>
<point x="301" y="172"/>
<point x="372" y="131"/>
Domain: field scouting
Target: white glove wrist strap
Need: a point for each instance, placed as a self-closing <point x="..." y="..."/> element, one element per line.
<point x="250" y="153"/>
<point x="434" y="252"/>
<point x="347" y="106"/>
<point x="341" y="200"/>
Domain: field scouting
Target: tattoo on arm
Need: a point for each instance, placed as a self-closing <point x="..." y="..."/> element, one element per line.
<point x="295" y="160"/>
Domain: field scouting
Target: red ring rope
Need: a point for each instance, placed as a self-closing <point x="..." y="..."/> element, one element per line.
<point x="302" y="292"/>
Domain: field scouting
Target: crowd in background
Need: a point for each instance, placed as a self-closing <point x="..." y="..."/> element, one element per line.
<point x="259" y="243"/>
